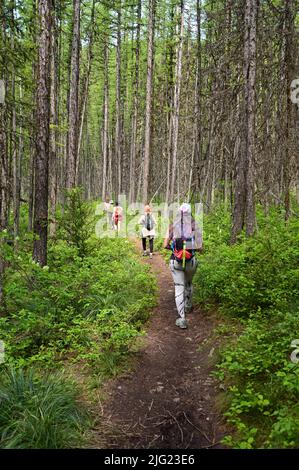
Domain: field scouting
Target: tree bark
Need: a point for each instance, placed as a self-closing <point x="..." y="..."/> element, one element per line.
<point x="118" y="104"/>
<point x="149" y="93"/>
<point x="72" y="143"/>
<point x="86" y="80"/>
<point x="132" y="193"/>
<point x="42" y="134"/>
<point x="105" y="142"/>
<point x="244" y="204"/>
<point x="53" y="164"/>
<point x="197" y="132"/>
<point x="250" y="100"/>
<point x="176" y="101"/>
<point x="288" y="64"/>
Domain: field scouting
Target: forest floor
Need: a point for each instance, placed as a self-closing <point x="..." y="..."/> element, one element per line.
<point x="168" y="399"/>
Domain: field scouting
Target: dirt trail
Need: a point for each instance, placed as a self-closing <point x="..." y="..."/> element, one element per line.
<point x="168" y="400"/>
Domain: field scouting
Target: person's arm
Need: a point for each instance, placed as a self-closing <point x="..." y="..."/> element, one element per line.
<point x="168" y="238"/>
<point x="166" y="243"/>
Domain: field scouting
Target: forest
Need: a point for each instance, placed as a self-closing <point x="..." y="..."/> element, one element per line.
<point x="148" y="105"/>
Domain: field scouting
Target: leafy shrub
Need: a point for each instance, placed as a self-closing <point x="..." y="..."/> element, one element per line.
<point x="263" y="383"/>
<point x="62" y="310"/>
<point x="39" y="412"/>
<point x="88" y="306"/>
<point x="256" y="282"/>
<point x="75" y="221"/>
<point x="260" y="272"/>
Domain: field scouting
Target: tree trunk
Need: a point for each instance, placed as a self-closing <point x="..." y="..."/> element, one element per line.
<point x="196" y="152"/>
<point x="18" y="170"/>
<point x="288" y="54"/>
<point x="244" y="206"/>
<point x="42" y="134"/>
<point x="83" y="104"/>
<point x="135" y="112"/>
<point x="250" y="77"/>
<point x="106" y="120"/>
<point x="118" y="107"/>
<point x="149" y="93"/>
<point x="53" y="164"/>
<point x="176" y="102"/>
<point x="72" y="143"/>
<point x="3" y="151"/>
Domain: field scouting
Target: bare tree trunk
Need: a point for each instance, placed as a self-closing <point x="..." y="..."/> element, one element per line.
<point x="250" y="77"/>
<point x="15" y="156"/>
<point x="176" y="102"/>
<point x="3" y="151"/>
<point x="196" y="153"/>
<point x="118" y="107"/>
<point x="244" y="206"/>
<point x="72" y="143"/>
<point x="149" y="92"/>
<point x="31" y="180"/>
<point x="106" y="120"/>
<point x="42" y="135"/>
<point x="288" y="53"/>
<point x="32" y="148"/>
<point x="18" y="170"/>
<point x="169" y="156"/>
<point x="135" y="112"/>
<point x="83" y="104"/>
<point x="170" y="52"/>
<point x="53" y="170"/>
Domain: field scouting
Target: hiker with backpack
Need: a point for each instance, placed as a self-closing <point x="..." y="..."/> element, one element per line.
<point x="184" y="239"/>
<point x="148" y="223"/>
<point x="117" y="216"/>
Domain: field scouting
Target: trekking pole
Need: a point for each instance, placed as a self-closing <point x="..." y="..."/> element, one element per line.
<point x="184" y="254"/>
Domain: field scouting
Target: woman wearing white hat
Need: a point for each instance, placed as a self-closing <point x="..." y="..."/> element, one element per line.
<point x="148" y="223"/>
<point x="184" y="239"/>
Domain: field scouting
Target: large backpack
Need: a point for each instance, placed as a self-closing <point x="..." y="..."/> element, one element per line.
<point x="149" y="222"/>
<point x="183" y="246"/>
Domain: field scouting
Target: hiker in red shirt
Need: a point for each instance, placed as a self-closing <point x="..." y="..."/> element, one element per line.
<point x="117" y="216"/>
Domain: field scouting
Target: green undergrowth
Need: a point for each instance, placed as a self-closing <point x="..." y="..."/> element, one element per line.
<point x="83" y="312"/>
<point x="256" y="283"/>
<point x="41" y="412"/>
<point x="76" y="308"/>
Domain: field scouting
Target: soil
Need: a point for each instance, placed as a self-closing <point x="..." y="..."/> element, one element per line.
<point x="168" y="400"/>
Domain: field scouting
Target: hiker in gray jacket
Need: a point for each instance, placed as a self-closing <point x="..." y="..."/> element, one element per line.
<point x="184" y="239"/>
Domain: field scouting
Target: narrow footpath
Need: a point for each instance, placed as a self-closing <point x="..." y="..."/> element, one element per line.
<point x="168" y="400"/>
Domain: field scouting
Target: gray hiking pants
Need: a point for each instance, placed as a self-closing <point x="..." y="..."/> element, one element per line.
<point x="183" y="284"/>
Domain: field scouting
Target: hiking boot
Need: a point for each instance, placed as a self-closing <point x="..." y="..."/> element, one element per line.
<point x="151" y="255"/>
<point x="144" y="253"/>
<point x="181" y="323"/>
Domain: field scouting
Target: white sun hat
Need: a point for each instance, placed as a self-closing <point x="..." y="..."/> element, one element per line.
<point x="185" y="208"/>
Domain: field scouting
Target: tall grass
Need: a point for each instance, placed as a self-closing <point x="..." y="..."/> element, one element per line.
<point x="39" y="412"/>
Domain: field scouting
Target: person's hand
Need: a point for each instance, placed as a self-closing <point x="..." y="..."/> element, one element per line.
<point x="165" y="244"/>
